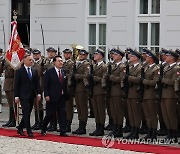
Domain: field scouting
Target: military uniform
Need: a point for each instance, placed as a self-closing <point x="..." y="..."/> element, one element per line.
<point x="98" y="101"/>
<point x="134" y="108"/>
<point x="169" y="98"/>
<point x="68" y="64"/>
<point x="81" y="95"/>
<point x="162" y="131"/>
<point x="38" y="106"/>
<point x="116" y="95"/>
<point x="9" y="91"/>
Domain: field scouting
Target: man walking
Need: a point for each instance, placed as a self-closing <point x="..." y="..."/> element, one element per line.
<point x="26" y="89"/>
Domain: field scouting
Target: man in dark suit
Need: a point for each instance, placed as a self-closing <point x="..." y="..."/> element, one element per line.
<point x="26" y="89"/>
<point x="55" y="94"/>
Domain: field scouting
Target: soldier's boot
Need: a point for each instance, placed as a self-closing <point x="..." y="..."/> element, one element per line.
<point x="154" y="135"/>
<point x="100" y="131"/>
<point x="148" y="135"/>
<point x="169" y="135"/>
<point x="135" y="135"/>
<point x="119" y="132"/>
<point x="10" y="119"/>
<point x="174" y="136"/>
<point x="13" y="120"/>
<point x="144" y="128"/>
<point x="127" y="127"/>
<point x="162" y="131"/>
<point x="114" y="130"/>
<point x="178" y="131"/>
<point x="110" y="125"/>
<point x="68" y="126"/>
<point x="36" y="124"/>
<point x="130" y="134"/>
<point x="82" y="128"/>
<point x="96" y="130"/>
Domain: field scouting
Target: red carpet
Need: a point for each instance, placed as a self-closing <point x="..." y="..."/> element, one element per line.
<point x="96" y="142"/>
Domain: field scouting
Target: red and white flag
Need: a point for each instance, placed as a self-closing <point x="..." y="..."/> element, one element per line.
<point x="15" y="52"/>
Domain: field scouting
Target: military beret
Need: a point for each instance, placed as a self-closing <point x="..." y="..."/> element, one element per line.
<point x="100" y="51"/>
<point x="67" y="51"/>
<point x="36" y="51"/>
<point x="172" y="53"/>
<point x="152" y="54"/>
<point x="1" y="50"/>
<point x="135" y="53"/>
<point x="83" y="52"/>
<point x="119" y="52"/>
<point x="51" y="49"/>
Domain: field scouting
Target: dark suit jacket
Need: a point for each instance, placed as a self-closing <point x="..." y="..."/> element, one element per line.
<point x="24" y="88"/>
<point x="52" y="85"/>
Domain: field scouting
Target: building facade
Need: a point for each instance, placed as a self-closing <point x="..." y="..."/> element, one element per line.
<point x="94" y="23"/>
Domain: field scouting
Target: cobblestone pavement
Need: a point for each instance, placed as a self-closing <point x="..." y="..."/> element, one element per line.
<point x="27" y="146"/>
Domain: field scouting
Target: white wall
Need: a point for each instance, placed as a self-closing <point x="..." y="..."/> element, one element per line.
<point x="170" y="24"/>
<point x="63" y="22"/>
<point x="5" y="14"/>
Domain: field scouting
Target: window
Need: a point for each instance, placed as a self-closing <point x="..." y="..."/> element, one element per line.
<point x="97" y="7"/>
<point x="97" y="37"/>
<point x="149" y="7"/>
<point x="149" y="36"/>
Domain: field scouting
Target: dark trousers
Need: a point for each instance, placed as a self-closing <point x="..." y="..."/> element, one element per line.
<point x="27" y="106"/>
<point x="51" y="109"/>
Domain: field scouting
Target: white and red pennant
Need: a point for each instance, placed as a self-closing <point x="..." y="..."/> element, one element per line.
<point x="15" y="52"/>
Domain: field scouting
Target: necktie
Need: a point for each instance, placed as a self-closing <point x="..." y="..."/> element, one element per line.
<point x="29" y="73"/>
<point x="60" y="76"/>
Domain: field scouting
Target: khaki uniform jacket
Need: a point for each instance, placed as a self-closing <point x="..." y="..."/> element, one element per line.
<point x="169" y="76"/>
<point x="177" y="82"/>
<point x="117" y="75"/>
<point x="81" y="72"/>
<point x="151" y="78"/>
<point x="9" y="77"/>
<point x="38" y="66"/>
<point x="134" y="79"/>
<point x="99" y="72"/>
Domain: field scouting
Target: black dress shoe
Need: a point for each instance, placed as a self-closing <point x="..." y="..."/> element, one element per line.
<point x="63" y="134"/>
<point x="20" y="132"/>
<point x="30" y="134"/>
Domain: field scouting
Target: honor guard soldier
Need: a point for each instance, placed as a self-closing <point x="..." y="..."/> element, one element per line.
<point x="149" y="95"/>
<point x="38" y="106"/>
<point x="98" y="101"/>
<point x="169" y="98"/>
<point x="68" y="65"/>
<point x="47" y="64"/>
<point x="80" y="91"/>
<point x="9" y="91"/>
<point x="109" y="64"/>
<point x="1" y="61"/>
<point x="177" y="91"/>
<point x="134" y="107"/>
<point x="144" y="128"/>
<point x="116" y="93"/>
<point x="162" y="60"/>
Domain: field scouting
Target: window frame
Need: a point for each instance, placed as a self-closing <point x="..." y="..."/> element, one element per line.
<point x="97" y="15"/>
<point x="149" y="46"/>
<point x="149" y="14"/>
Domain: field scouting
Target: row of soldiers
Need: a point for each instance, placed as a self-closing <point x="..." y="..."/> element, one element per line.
<point x="143" y="88"/>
